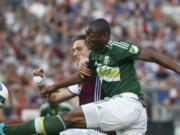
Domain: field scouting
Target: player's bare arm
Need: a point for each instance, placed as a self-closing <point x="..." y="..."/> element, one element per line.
<point x="74" y="79"/>
<point x="152" y="56"/>
<point x="61" y="96"/>
<point x="55" y="97"/>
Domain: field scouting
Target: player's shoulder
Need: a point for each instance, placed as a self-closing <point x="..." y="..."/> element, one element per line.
<point x="115" y="44"/>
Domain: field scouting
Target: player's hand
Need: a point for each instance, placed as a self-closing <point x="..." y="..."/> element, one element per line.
<point x="39" y="72"/>
<point x="83" y="67"/>
<point x="38" y="78"/>
<point x="45" y="96"/>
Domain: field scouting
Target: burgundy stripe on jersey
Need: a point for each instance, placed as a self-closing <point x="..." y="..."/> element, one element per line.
<point x="91" y="91"/>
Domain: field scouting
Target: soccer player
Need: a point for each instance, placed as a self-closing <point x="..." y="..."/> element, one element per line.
<point x="113" y="61"/>
<point x="88" y="91"/>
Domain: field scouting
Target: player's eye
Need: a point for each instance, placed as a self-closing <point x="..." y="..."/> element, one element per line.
<point x="79" y="49"/>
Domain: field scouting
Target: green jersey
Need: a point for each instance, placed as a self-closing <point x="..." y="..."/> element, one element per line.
<point x="115" y="68"/>
<point x="47" y="110"/>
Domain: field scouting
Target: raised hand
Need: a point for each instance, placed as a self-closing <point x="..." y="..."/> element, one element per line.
<point x="38" y="78"/>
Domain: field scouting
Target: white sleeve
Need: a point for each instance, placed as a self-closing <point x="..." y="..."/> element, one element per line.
<point x="74" y="89"/>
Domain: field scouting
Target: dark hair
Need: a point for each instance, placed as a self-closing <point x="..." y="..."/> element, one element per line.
<point x="100" y="25"/>
<point x="78" y="37"/>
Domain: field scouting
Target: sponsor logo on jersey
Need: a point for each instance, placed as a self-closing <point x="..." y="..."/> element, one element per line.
<point x="108" y="74"/>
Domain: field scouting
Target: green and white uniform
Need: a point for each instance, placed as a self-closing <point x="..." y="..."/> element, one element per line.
<point x="115" y="67"/>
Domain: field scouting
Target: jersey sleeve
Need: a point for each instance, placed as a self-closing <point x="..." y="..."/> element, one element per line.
<point x="134" y="51"/>
<point x="74" y="89"/>
<point x="125" y="50"/>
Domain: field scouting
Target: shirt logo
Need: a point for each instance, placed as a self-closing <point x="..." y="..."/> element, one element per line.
<point x="109" y="74"/>
<point x="106" y="60"/>
<point x="133" y="49"/>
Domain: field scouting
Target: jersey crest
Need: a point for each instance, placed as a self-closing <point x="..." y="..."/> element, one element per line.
<point x="133" y="49"/>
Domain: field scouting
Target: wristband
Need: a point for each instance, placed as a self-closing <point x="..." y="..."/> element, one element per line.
<point x="38" y="80"/>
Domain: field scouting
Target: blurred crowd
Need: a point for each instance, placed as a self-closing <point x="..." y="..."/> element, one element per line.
<point x="39" y="32"/>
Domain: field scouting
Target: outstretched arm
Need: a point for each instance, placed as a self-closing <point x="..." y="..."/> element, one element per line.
<point x="74" y="79"/>
<point x="61" y="96"/>
<point x="152" y="56"/>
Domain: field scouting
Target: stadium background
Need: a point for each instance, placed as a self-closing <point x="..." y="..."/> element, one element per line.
<point x="39" y="33"/>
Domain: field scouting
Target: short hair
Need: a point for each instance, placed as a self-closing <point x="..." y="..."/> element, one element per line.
<point x="101" y="25"/>
<point x="79" y="37"/>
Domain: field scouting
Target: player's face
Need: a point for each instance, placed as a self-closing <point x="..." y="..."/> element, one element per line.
<point x="80" y="50"/>
<point x="95" y="40"/>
